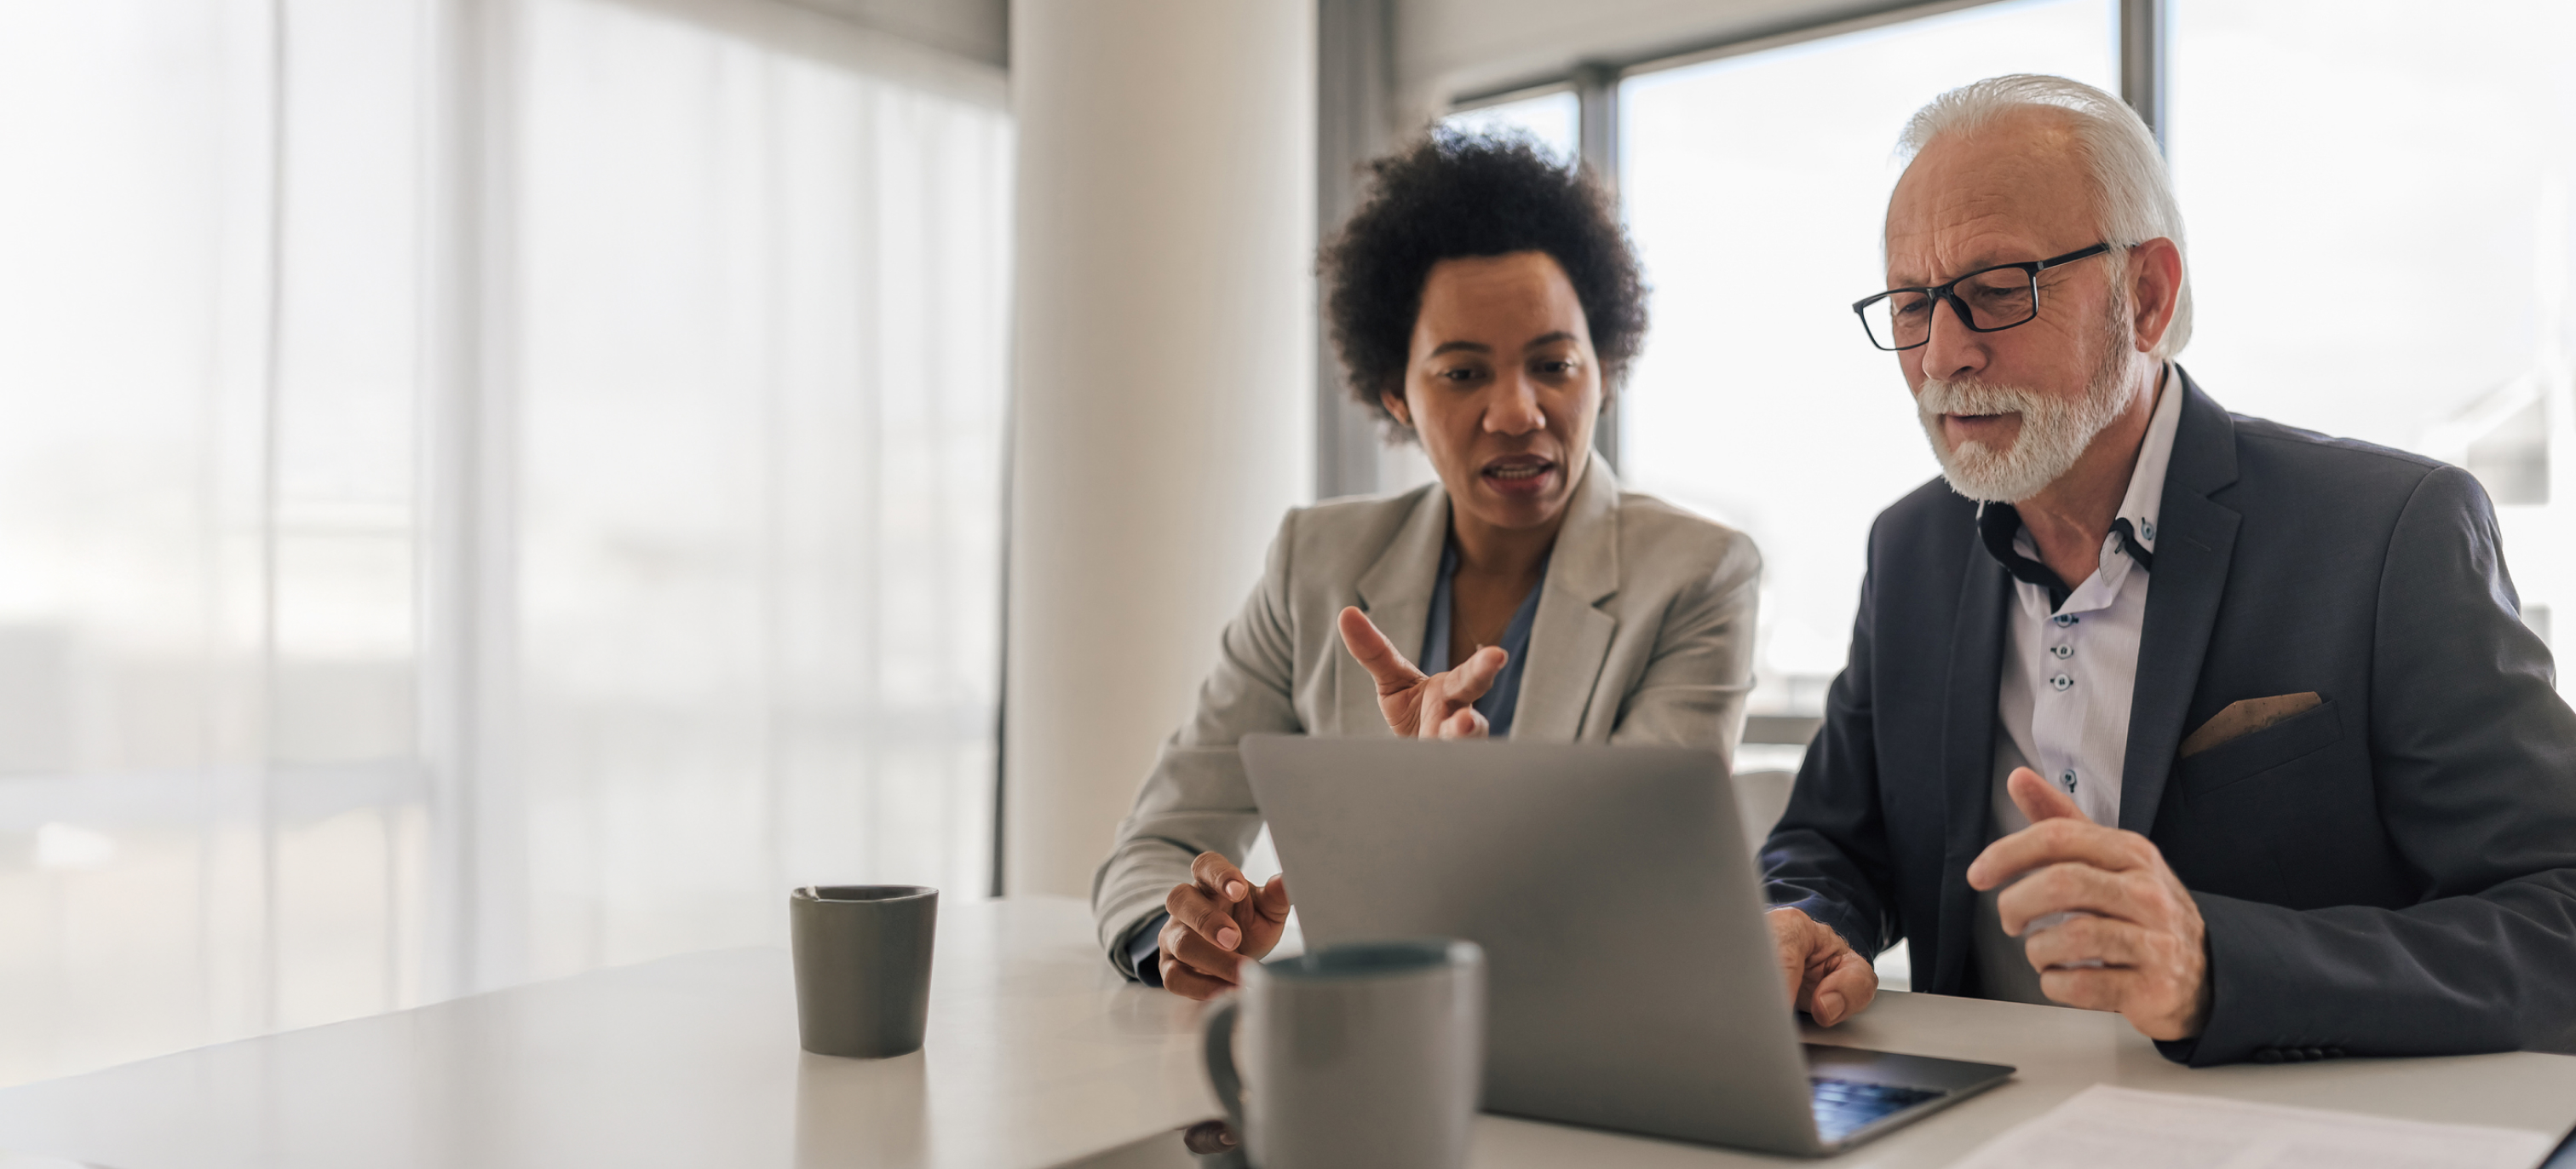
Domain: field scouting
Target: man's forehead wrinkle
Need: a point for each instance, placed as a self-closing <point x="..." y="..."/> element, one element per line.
<point x="1945" y="255"/>
<point x="1968" y="230"/>
<point x="1974" y="200"/>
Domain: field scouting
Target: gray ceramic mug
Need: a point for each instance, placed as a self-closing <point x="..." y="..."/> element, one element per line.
<point x="1355" y="1056"/>
<point x="862" y="967"/>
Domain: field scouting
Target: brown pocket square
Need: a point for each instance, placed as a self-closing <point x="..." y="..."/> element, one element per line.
<point x="2244" y="717"/>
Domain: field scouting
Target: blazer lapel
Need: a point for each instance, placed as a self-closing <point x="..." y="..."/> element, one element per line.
<point x="1395" y="592"/>
<point x="1571" y="637"/>
<point x="1968" y="744"/>
<point x="2192" y="553"/>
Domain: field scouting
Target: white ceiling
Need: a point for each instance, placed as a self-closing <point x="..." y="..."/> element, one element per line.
<point x="1446" y="49"/>
<point x="978" y="30"/>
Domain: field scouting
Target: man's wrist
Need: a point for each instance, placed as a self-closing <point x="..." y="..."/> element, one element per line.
<point x="2195" y="1018"/>
<point x="2204" y="996"/>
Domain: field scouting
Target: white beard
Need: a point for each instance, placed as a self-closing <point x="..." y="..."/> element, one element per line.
<point x="2054" y="431"/>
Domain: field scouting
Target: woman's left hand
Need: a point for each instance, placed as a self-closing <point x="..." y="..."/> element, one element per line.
<point x="1419" y="705"/>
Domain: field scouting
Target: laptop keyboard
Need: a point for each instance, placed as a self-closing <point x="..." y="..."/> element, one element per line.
<point x="1844" y="1107"/>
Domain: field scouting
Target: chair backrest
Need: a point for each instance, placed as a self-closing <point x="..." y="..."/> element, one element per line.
<point x="1761" y="796"/>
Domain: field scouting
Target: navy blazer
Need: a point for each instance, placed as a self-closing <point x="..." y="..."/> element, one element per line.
<point x="2392" y="872"/>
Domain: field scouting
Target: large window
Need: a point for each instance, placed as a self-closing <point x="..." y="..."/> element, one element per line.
<point x="1756" y="186"/>
<point x="2379" y="206"/>
<point x="485" y="491"/>
<point x="759" y="407"/>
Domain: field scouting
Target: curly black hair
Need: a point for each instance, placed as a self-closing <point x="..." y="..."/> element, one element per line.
<point x="1452" y="194"/>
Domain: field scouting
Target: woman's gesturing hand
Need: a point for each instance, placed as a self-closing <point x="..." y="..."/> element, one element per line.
<point x="1419" y="705"/>
<point x="1220" y="920"/>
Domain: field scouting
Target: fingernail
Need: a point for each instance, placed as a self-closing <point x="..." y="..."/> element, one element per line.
<point x="1829" y="1007"/>
<point x="1234" y="890"/>
<point x="1227" y="938"/>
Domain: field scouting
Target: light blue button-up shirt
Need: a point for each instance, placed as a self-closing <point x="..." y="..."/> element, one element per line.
<point x="1504" y="696"/>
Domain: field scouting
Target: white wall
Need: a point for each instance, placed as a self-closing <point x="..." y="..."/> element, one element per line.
<point x="1165" y="382"/>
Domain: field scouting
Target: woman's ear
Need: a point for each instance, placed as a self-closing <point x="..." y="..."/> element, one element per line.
<point x="1396" y="405"/>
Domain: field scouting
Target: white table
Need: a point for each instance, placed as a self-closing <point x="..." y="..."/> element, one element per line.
<point x="1038" y="1055"/>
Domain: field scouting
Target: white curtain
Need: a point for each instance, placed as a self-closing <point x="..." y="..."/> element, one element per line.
<point x="487" y="489"/>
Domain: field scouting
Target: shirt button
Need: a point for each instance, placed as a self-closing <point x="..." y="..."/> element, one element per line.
<point x="2146" y="529"/>
<point x="2067" y="780"/>
<point x="2064" y="619"/>
<point x="2060" y="651"/>
<point x="2060" y="682"/>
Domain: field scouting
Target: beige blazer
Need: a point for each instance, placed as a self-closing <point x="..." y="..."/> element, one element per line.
<point x="1644" y="634"/>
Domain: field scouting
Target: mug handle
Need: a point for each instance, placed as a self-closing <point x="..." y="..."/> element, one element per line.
<point x="1220" y="1061"/>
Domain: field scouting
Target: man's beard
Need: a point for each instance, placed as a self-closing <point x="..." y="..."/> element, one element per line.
<point x="2054" y="431"/>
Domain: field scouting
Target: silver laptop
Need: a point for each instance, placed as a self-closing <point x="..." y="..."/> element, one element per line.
<point x="1632" y="984"/>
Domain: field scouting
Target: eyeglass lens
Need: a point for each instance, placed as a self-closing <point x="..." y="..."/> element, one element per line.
<point x="1994" y="300"/>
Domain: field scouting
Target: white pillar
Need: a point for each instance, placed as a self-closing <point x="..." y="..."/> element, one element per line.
<point x="1165" y="379"/>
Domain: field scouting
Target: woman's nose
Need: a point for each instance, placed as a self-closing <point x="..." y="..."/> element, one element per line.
<point x="1517" y="410"/>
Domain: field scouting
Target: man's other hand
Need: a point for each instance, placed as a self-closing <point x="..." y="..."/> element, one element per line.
<point x="2116" y="930"/>
<point x="1419" y="705"/>
<point x="1220" y="921"/>
<point x="1826" y="977"/>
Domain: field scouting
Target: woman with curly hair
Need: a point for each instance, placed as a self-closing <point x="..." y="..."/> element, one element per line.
<point x="1487" y="304"/>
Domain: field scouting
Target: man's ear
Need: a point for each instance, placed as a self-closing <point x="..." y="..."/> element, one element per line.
<point x="1396" y="405"/>
<point x="2155" y="289"/>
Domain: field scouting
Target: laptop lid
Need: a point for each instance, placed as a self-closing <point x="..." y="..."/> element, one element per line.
<point x="1632" y="983"/>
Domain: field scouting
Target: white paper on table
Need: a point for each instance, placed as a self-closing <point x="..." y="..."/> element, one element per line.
<point x="2105" y="1127"/>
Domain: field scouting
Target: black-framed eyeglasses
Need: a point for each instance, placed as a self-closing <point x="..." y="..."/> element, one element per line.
<point x="1988" y="300"/>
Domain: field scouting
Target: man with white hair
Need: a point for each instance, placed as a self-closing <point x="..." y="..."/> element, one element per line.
<point x="2228" y="727"/>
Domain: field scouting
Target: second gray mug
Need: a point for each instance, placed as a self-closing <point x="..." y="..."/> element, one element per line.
<point x="1355" y="1056"/>
<point x="862" y="967"/>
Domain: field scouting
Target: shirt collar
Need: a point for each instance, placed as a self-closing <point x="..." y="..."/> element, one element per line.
<point x="2008" y="541"/>
<point x="2146" y="497"/>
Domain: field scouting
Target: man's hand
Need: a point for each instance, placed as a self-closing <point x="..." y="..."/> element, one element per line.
<point x="1420" y="706"/>
<point x="1219" y="922"/>
<point x="2116" y="930"/>
<point x="1827" y="978"/>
